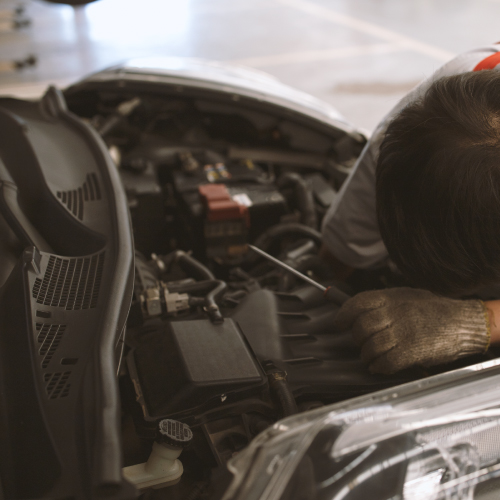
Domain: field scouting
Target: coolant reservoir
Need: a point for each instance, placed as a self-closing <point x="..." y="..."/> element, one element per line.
<point x="162" y="468"/>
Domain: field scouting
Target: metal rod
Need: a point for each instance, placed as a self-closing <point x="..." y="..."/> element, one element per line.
<point x="288" y="268"/>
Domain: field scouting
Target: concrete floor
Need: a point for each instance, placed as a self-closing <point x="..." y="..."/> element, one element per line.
<point x="361" y="56"/>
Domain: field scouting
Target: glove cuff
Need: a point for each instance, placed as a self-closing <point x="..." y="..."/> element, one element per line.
<point x="474" y="329"/>
<point x="488" y="325"/>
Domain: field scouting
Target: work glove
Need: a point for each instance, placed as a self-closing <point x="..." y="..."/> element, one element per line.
<point x="402" y="327"/>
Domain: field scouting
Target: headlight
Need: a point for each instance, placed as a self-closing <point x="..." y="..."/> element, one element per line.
<point x="435" y="439"/>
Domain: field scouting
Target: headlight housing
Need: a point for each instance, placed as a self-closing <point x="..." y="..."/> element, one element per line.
<point x="434" y="439"/>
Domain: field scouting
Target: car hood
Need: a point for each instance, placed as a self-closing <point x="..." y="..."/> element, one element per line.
<point x="227" y="78"/>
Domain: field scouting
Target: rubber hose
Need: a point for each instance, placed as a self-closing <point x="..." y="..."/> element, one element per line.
<point x="304" y="196"/>
<point x="214" y="288"/>
<point x="284" y="395"/>
<point x="190" y="264"/>
<point x="238" y="294"/>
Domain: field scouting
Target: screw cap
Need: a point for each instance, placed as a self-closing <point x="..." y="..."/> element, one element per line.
<point x="174" y="433"/>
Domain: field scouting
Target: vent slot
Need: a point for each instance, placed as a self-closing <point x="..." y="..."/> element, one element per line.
<point x="57" y="385"/>
<point x="69" y="361"/>
<point x="74" y="199"/>
<point x="70" y="283"/>
<point x="50" y="337"/>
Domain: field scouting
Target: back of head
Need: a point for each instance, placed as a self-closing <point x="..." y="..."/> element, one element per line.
<point x="438" y="185"/>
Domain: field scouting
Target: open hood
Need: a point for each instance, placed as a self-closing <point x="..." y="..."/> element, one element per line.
<point x="143" y="345"/>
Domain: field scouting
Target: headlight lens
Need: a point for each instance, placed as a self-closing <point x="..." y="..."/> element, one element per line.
<point x="436" y="439"/>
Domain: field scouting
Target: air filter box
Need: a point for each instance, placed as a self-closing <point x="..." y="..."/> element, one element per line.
<point x="182" y="368"/>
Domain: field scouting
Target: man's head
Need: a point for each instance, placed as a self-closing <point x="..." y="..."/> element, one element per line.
<point x="438" y="185"/>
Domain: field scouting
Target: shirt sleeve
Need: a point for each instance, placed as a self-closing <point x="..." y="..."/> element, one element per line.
<point x="350" y="229"/>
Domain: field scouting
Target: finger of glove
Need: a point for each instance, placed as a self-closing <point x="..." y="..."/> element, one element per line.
<point x="356" y="306"/>
<point x="378" y="344"/>
<point x="369" y="323"/>
<point x="391" y="362"/>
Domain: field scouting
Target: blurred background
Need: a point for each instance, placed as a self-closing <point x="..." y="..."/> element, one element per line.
<point x="361" y="56"/>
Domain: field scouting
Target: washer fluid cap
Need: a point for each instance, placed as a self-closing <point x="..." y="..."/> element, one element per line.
<point x="174" y="433"/>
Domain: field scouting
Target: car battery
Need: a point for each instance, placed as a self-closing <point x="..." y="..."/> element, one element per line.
<point x="266" y="205"/>
<point x="226" y="222"/>
<point x="219" y="229"/>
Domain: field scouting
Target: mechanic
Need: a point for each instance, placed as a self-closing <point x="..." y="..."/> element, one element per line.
<point x="425" y="193"/>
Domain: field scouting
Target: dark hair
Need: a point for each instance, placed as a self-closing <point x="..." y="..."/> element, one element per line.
<point x="438" y="185"/>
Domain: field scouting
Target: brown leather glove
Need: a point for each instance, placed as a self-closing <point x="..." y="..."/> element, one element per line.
<point x="402" y="327"/>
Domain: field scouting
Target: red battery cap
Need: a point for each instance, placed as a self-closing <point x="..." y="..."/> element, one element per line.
<point x="220" y="205"/>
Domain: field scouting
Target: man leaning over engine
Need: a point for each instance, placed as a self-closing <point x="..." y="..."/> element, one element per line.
<point x="426" y="194"/>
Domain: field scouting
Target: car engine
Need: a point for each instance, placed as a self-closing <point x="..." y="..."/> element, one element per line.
<point x="147" y="335"/>
<point x="217" y="337"/>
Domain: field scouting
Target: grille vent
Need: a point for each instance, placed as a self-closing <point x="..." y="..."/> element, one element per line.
<point x="57" y="385"/>
<point x="75" y="198"/>
<point x="70" y="283"/>
<point x="50" y="337"/>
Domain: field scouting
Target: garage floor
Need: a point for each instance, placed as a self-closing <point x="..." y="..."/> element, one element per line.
<point x="359" y="55"/>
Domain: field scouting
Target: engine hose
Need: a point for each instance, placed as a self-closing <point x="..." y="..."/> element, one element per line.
<point x="278" y="231"/>
<point x="190" y="265"/>
<point x="196" y="301"/>
<point x="214" y="288"/>
<point x="304" y="197"/>
<point x="280" y="388"/>
<point x="238" y="294"/>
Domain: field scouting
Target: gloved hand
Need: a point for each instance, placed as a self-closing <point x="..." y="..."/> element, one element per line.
<point x="402" y="327"/>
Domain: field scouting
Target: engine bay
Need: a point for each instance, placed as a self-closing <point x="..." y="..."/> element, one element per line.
<point x="217" y="337"/>
<point x="148" y="336"/>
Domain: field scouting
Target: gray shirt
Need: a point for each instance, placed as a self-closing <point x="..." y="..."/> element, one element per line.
<point x="350" y="229"/>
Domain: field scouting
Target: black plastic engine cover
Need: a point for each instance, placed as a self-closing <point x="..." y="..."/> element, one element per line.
<point x="294" y="331"/>
<point x="181" y="369"/>
<point x="184" y="367"/>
